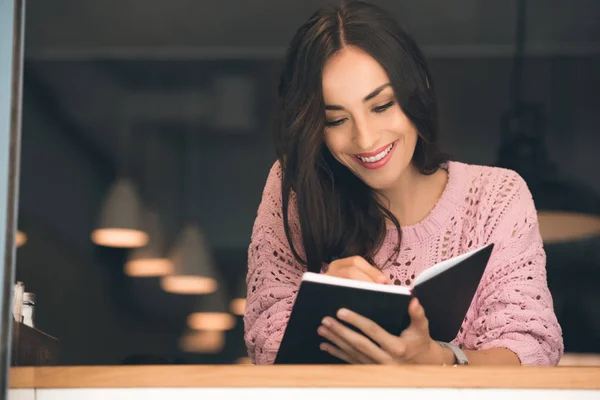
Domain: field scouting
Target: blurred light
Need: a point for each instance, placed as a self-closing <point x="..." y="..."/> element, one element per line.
<point x="557" y="227"/>
<point x="211" y="321"/>
<point x="202" y="342"/>
<point x="148" y="267"/>
<point x="238" y="306"/>
<point x="193" y="267"/>
<point x="580" y="360"/>
<point x="148" y="261"/>
<point x="120" y="218"/>
<point x="118" y="237"/>
<point x="21" y="238"/>
<point x="188" y="284"/>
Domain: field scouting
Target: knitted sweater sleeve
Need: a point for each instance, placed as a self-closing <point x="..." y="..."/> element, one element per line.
<point x="274" y="274"/>
<point x="514" y="308"/>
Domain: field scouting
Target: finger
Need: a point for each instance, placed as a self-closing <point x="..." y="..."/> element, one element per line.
<point x="389" y="343"/>
<point x="358" y="275"/>
<point x="334" y="351"/>
<point x="418" y="319"/>
<point x="375" y="274"/>
<point x="349" y="271"/>
<point x="343" y="345"/>
<point x="358" y="343"/>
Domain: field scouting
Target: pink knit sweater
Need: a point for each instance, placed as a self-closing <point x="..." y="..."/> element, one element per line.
<point x="512" y="307"/>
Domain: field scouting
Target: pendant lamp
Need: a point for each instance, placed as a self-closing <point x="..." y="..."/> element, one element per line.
<point x="193" y="265"/>
<point x="149" y="260"/>
<point x="568" y="210"/>
<point x="120" y="217"/>
<point x="120" y="222"/>
<point x="211" y="314"/>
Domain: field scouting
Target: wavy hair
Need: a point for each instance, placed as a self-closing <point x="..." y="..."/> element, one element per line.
<point x="339" y="214"/>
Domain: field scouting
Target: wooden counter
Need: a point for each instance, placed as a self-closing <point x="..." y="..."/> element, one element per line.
<point x="250" y="376"/>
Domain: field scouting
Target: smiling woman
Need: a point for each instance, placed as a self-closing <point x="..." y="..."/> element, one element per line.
<point x="361" y="190"/>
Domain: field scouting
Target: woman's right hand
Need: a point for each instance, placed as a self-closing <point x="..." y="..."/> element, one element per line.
<point x="356" y="268"/>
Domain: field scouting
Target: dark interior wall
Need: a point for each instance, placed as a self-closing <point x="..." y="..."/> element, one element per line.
<point x="474" y="92"/>
<point x="100" y="317"/>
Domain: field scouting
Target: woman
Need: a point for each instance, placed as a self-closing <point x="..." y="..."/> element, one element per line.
<point x="361" y="190"/>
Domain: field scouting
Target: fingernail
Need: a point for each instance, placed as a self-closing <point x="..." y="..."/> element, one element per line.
<point x="342" y="313"/>
<point x="321" y="331"/>
<point x="323" y="347"/>
<point x="326" y="321"/>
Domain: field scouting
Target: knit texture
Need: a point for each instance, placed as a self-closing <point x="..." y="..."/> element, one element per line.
<point x="512" y="307"/>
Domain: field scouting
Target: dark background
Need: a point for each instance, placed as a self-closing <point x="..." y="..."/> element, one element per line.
<point x="154" y="74"/>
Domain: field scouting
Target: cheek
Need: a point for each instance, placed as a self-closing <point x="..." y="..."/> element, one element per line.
<point x="335" y="142"/>
<point x="399" y="120"/>
<point x="403" y="125"/>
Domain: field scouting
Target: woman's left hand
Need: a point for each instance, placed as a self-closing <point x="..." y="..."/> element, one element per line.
<point x="413" y="346"/>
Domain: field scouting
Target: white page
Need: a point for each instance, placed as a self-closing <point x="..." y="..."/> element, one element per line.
<point x="444" y="266"/>
<point x="335" y="281"/>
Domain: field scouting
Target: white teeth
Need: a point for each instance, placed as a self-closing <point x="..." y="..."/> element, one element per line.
<point x="378" y="156"/>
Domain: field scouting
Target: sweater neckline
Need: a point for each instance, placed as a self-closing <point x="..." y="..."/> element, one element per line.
<point x="443" y="210"/>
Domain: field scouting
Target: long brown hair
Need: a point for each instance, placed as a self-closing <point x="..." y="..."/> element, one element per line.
<point x="339" y="214"/>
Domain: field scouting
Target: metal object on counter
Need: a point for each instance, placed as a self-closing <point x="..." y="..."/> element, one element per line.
<point x="28" y="311"/>
<point x="17" y="302"/>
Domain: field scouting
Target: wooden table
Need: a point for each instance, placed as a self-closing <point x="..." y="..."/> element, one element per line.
<point x="248" y="382"/>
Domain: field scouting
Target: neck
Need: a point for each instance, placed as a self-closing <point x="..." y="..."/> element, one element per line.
<point x="413" y="197"/>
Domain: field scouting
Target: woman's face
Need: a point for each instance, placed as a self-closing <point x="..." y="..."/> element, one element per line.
<point x="366" y="129"/>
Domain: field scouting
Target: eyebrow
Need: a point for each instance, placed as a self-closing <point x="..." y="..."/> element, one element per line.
<point x="367" y="97"/>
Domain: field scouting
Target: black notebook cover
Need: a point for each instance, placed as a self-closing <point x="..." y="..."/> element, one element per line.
<point x="446" y="298"/>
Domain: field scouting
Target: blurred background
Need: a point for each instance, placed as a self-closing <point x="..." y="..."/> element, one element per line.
<point x="146" y="145"/>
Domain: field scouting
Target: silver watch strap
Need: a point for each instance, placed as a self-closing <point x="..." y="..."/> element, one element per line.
<point x="460" y="358"/>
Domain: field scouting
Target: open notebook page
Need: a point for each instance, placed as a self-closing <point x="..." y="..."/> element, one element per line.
<point x="443" y="266"/>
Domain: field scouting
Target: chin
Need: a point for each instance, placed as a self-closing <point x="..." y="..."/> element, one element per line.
<point x="387" y="177"/>
<point x="380" y="183"/>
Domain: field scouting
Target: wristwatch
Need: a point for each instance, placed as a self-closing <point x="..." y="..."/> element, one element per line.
<point x="460" y="358"/>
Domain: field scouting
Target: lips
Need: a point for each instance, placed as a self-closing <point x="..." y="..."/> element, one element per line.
<point x="376" y="159"/>
<point x="374" y="153"/>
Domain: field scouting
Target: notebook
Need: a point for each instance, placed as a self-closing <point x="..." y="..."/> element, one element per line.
<point x="445" y="290"/>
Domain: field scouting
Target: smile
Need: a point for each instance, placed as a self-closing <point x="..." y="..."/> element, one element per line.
<point x="377" y="158"/>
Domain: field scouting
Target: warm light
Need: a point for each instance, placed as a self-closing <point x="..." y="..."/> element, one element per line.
<point x="556" y="227"/>
<point x="243" y="360"/>
<point x="148" y="267"/>
<point x="119" y="237"/>
<point x="202" y="342"/>
<point x="188" y="284"/>
<point x="238" y="306"/>
<point x="580" y="360"/>
<point x="21" y="238"/>
<point x="211" y="321"/>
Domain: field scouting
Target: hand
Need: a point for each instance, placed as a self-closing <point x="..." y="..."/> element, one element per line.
<point x="413" y="346"/>
<point x="356" y="268"/>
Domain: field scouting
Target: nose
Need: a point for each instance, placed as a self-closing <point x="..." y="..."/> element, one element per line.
<point x="365" y="136"/>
